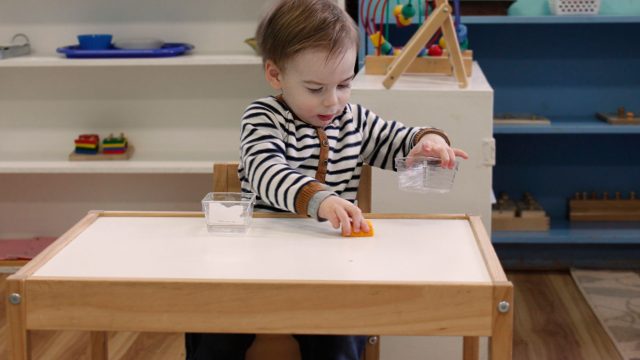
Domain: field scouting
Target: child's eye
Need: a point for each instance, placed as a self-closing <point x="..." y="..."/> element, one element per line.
<point x="344" y="86"/>
<point x="314" y="91"/>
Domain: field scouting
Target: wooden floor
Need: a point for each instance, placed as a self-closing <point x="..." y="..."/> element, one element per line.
<point x="552" y="321"/>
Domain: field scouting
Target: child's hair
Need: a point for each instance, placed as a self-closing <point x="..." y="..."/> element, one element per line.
<point x="296" y="25"/>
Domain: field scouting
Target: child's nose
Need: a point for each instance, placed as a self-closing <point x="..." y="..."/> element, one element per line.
<point x="330" y="99"/>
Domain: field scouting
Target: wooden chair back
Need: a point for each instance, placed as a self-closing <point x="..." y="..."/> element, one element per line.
<point x="284" y="347"/>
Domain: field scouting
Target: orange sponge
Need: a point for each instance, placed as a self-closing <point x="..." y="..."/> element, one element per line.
<point x="362" y="233"/>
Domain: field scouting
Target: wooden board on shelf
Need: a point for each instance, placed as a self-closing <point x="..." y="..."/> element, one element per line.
<point x="604" y="210"/>
<point x="520" y="119"/>
<point x="101" y="156"/>
<point x="377" y="65"/>
<point x="614" y="119"/>
<point x="537" y="223"/>
<point x="524" y="215"/>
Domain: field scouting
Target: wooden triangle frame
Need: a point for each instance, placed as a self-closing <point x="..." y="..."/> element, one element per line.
<point x="440" y="18"/>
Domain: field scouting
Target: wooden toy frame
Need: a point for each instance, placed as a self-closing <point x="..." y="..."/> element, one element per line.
<point x="440" y="18"/>
<point x="131" y="302"/>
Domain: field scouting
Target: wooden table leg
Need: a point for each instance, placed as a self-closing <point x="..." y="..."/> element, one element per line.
<point x="501" y="342"/>
<point x="99" y="345"/>
<point x="17" y="321"/>
<point x="372" y="349"/>
<point x="471" y="348"/>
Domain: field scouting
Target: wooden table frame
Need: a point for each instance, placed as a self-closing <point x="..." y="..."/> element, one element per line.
<point x="101" y="305"/>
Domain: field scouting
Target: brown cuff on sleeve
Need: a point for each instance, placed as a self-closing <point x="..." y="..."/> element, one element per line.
<point x="426" y="131"/>
<point x="305" y="194"/>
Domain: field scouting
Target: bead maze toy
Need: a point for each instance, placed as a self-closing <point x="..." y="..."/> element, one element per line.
<point x="87" y="148"/>
<point x="444" y="53"/>
<point x="524" y="215"/>
<point x="590" y="207"/>
<point x="621" y="117"/>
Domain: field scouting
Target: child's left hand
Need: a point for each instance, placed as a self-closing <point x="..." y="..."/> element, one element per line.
<point x="434" y="145"/>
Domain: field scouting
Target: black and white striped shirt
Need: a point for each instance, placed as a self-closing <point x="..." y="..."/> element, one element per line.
<point x="279" y="154"/>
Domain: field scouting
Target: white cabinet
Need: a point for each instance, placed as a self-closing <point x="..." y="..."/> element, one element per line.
<point x="467" y="116"/>
<point x="180" y="113"/>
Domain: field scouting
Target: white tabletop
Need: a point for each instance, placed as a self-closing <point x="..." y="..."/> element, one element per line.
<point x="402" y="250"/>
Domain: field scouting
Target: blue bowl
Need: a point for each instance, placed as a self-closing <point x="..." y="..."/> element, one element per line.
<point x="94" y="41"/>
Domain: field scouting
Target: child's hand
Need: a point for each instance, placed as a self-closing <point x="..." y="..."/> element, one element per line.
<point x="341" y="212"/>
<point x="434" y="145"/>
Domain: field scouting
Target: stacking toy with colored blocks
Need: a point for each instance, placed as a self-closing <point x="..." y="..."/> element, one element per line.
<point x="114" y="145"/>
<point x="87" y="144"/>
<point x="362" y="233"/>
<point x="88" y="148"/>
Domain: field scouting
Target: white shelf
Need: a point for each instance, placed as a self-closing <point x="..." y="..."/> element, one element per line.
<point x="184" y="60"/>
<point x="107" y="167"/>
<point x="140" y="163"/>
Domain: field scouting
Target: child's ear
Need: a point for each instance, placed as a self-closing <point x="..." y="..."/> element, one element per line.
<point x="273" y="75"/>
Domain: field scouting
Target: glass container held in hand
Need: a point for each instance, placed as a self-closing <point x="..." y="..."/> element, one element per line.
<point x="228" y="212"/>
<point x="424" y="175"/>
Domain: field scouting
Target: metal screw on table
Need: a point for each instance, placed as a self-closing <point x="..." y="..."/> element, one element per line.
<point x="373" y="340"/>
<point x="503" y="306"/>
<point x="15" y="298"/>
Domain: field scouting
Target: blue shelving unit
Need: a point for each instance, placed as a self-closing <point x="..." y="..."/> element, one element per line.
<point x="565" y="69"/>
<point x="528" y="20"/>
<point x="565" y="232"/>
<point x="568" y="127"/>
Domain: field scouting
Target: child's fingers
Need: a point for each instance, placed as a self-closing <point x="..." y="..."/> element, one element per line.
<point x="445" y="159"/>
<point x="461" y="153"/>
<point x="356" y="223"/>
<point x="334" y="221"/>
<point x="452" y="158"/>
<point x="357" y="220"/>
<point x="364" y="226"/>
<point x="345" y="222"/>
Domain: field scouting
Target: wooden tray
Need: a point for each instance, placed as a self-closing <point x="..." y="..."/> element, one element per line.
<point x="377" y="65"/>
<point x="534" y="223"/>
<point x="615" y="120"/>
<point x="101" y="156"/>
<point x="604" y="210"/>
<point x="520" y="119"/>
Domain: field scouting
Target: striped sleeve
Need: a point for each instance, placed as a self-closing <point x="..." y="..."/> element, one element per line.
<point x="383" y="140"/>
<point x="264" y="167"/>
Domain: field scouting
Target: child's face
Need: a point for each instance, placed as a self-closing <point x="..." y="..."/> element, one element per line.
<point x="315" y="88"/>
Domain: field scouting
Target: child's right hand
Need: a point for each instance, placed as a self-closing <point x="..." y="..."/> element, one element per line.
<point x="340" y="212"/>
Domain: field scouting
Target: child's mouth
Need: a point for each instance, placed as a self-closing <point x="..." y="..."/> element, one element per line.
<point x="326" y="117"/>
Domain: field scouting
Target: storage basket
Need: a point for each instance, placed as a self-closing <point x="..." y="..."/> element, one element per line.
<point x="574" y="7"/>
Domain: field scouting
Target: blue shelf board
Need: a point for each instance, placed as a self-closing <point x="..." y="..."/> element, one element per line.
<point x="565" y="232"/>
<point x="585" y="19"/>
<point x="568" y="127"/>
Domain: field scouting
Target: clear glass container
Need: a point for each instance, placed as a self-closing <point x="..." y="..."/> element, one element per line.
<point x="228" y="212"/>
<point x="424" y="175"/>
